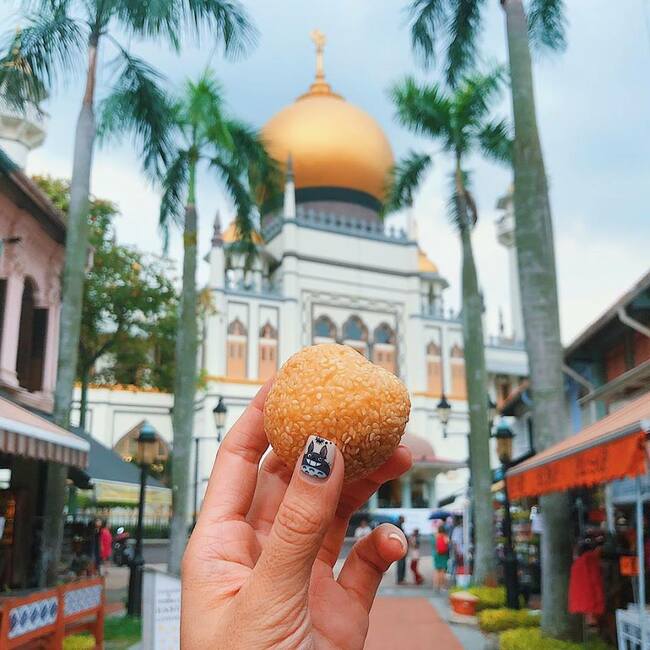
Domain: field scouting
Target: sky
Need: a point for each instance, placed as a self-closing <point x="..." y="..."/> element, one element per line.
<point x="593" y="107"/>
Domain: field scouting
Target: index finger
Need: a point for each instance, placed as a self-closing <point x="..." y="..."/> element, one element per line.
<point x="234" y="474"/>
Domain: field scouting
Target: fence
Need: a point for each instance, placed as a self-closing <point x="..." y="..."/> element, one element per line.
<point x="50" y="615"/>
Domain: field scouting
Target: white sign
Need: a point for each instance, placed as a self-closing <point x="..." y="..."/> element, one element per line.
<point x="161" y="611"/>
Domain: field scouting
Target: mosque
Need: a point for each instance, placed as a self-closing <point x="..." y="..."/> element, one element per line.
<point x="329" y="270"/>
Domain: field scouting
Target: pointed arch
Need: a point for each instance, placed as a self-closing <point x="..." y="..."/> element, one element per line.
<point x="457" y="364"/>
<point x="355" y="334"/>
<point x="323" y="330"/>
<point x="434" y="369"/>
<point x="237" y="348"/>
<point x="384" y="350"/>
<point x="268" y="351"/>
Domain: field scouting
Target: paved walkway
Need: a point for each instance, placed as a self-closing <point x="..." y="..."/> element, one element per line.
<point x="407" y="617"/>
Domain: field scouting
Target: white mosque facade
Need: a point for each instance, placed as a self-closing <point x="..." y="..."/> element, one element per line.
<point x="329" y="270"/>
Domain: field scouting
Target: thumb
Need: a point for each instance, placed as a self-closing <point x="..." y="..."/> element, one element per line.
<point x="309" y="504"/>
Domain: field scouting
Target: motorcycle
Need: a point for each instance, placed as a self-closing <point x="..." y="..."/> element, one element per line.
<point x="123" y="547"/>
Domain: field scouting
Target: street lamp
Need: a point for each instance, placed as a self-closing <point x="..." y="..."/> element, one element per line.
<point x="145" y="455"/>
<point x="443" y="409"/>
<point x="504" y="438"/>
<point x="219" y="412"/>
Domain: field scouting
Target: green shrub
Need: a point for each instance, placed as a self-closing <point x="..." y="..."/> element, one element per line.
<point x="532" y="639"/>
<point x="79" y="642"/>
<point x="488" y="597"/>
<point x="498" y="620"/>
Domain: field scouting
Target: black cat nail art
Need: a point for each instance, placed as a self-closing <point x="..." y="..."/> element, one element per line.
<point x="319" y="457"/>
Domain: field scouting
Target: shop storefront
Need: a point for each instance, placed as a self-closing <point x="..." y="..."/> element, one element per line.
<point x="28" y="444"/>
<point x="610" y="535"/>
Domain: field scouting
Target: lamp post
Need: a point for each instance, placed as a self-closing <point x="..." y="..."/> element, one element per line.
<point x="504" y="438"/>
<point x="219" y="413"/>
<point x="443" y="410"/>
<point x="145" y="456"/>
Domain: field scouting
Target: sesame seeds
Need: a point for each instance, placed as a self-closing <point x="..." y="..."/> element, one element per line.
<point x="332" y="391"/>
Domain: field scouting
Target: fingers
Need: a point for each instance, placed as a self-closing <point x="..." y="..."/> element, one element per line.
<point x="234" y="473"/>
<point x="369" y="559"/>
<point x="272" y="482"/>
<point x="355" y="495"/>
<point x="308" y="507"/>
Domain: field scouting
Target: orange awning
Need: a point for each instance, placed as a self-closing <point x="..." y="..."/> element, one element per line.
<point x="610" y="449"/>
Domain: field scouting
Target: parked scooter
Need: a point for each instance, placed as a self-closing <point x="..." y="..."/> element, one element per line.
<point x="123" y="547"/>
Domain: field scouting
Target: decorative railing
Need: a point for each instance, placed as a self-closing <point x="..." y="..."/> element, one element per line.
<point x="336" y="223"/>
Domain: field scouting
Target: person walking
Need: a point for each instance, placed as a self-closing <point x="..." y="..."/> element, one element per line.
<point x="363" y="529"/>
<point x="440" y="559"/>
<point x="102" y="544"/>
<point x="456" y="548"/>
<point x="401" y="563"/>
<point x="414" y="554"/>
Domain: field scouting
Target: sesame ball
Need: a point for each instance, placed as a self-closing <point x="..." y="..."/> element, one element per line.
<point x="332" y="391"/>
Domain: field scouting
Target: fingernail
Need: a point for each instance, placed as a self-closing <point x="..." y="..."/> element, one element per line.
<point x="399" y="538"/>
<point x="318" y="458"/>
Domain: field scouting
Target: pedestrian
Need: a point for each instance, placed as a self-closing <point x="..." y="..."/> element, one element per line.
<point x="363" y="529"/>
<point x="401" y="563"/>
<point x="102" y="544"/>
<point x="258" y="569"/>
<point x="457" y="549"/>
<point x="414" y="555"/>
<point x="440" y="559"/>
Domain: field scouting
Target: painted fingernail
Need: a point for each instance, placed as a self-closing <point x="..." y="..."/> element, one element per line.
<point x="318" y="458"/>
<point x="399" y="538"/>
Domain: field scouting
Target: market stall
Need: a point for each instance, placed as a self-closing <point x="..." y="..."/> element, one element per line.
<point x="613" y="448"/>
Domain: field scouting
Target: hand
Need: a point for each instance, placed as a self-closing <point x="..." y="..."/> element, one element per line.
<point x="258" y="569"/>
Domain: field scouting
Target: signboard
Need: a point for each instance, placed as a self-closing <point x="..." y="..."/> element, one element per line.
<point x="161" y="611"/>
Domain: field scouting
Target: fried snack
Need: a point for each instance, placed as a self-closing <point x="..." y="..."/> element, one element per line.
<point x="332" y="391"/>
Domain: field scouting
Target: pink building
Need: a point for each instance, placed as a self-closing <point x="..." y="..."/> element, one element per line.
<point x="32" y="238"/>
<point x="32" y="244"/>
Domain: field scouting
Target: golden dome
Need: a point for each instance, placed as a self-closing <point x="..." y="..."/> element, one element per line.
<point x="231" y="235"/>
<point x="331" y="142"/>
<point x="425" y="265"/>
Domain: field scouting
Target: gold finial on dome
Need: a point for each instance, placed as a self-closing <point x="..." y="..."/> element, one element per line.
<point x="320" y="86"/>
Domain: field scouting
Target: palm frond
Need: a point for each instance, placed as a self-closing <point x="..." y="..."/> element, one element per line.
<point x="495" y="140"/>
<point x="225" y="21"/>
<point x="235" y="183"/>
<point x="139" y="106"/>
<point x="428" y="19"/>
<point x="423" y="109"/>
<point x="174" y="197"/>
<point x="40" y="54"/>
<point x="476" y="94"/>
<point x="547" y="24"/>
<point x="264" y="173"/>
<point x="405" y="178"/>
<point x="204" y="111"/>
<point x="464" y="29"/>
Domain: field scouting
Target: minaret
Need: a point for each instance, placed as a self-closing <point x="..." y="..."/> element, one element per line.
<point x="20" y="131"/>
<point x="506" y="237"/>
<point x="217" y="257"/>
<point x="289" y="192"/>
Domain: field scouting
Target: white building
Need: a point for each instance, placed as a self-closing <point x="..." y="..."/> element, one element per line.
<point x="329" y="270"/>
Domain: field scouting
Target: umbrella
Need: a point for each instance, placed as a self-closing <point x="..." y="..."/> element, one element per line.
<point x="440" y="514"/>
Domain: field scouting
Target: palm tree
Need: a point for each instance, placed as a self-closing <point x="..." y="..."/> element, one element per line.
<point x="202" y="136"/>
<point x="59" y="38"/>
<point x="541" y="25"/>
<point x="460" y="122"/>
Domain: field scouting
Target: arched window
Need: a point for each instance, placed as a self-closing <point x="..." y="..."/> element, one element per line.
<point x="457" y="362"/>
<point x="268" y="359"/>
<point x="383" y="348"/>
<point x="31" y="340"/>
<point x="434" y="369"/>
<point x="127" y="445"/>
<point x="237" y="345"/>
<point x="355" y="334"/>
<point x="324" y="330"/>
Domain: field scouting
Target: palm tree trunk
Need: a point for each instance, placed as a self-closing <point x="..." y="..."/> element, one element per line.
<point x="476" y="381"/>
<point x="76" y="250"/>
<point x="538" y="285"/>
<point x="83" y="402"/>
<point x="184" y="384"/>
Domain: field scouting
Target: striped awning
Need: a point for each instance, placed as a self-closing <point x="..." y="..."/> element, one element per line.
<point x="23" y="433"/>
